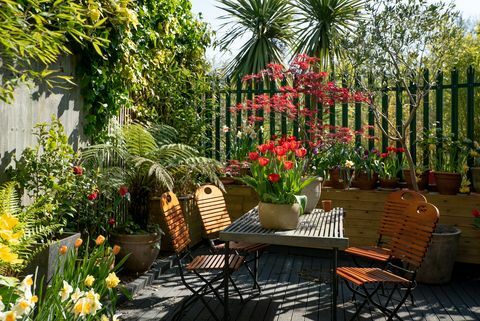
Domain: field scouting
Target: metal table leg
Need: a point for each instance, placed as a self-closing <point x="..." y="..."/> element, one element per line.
<point x="334" y="283"/>
<point x="226" y="312"/>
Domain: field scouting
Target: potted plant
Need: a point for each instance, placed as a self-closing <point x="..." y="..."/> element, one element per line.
<point x="475" y="169"/>
<point x="389" y="167"/>
<point x="449" y="161"/>
<point x="337" y="155"/>
<point x="277" y="170"/>
<point x="145" y="160"/>
<point x="366" y="168"/>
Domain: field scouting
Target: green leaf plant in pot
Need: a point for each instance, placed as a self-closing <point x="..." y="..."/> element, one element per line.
<point x="142" y="159"/>
<point x="277" y="170"/>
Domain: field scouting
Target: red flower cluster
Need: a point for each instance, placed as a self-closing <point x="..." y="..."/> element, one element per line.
<point x="476" y="213"/>
<point x="77" y="170"/>
<point x="123" y="190"/>
<point x="93" y="196"/>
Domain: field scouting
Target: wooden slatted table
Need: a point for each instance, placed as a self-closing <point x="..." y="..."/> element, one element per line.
<point x="319" y="230"/>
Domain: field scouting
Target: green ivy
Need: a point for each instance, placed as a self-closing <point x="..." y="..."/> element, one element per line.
<point x="156" y="68"/>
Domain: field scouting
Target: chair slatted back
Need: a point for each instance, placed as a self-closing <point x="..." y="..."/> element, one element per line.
<point x="410" y="243"/>
<point x="213" y="209"/>
<point x="175" y="221"/>
<point x="394" y="209"/>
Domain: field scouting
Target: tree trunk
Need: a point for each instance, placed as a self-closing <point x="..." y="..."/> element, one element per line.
<point x="411" y="165"/>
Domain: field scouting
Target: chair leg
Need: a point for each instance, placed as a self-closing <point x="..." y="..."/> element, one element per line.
<point x="236" y="288"/>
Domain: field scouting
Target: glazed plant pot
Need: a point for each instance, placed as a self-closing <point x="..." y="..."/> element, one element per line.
<point x="448" y="183"/>
<point x="389" y="183"/>
<point x="337" y="179"/>
<point x="364" y="181"/>
<point x="422" y="183"/>
<point x="475" y="171"/>
<point x="143" y="249"/>
<point x="313" y="191"/>
<point x="279" y="216"/>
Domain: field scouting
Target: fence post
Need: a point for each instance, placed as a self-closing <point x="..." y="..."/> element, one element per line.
<point x="208" y="120"/>
<point x="454" y="118"/>
<point x="385" y="115"/>
<point x="218" y="99"/>
<point x="413" y="125"/>
<point x="228" y="121"/>
<point x="344" y="105"/>
<point x="239" y="101"/>
<point x="371" y="117"/>
<point x="439" y="110"/>
<point x="470" y="107"/>
<point x="358" y="114"/>
<point x="284" y="114"/>
<point x="297" y="116"/>
<point x="426" y="114"/>
<point x="272" y="112"/>
<point x="259" y="91"/>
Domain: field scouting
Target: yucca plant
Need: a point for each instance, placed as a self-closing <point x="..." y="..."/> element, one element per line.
<point x="323" y="25"/>
<point x="22" y="230"/>
<point x="145" y="159"/>
<point x="266" y="24"/>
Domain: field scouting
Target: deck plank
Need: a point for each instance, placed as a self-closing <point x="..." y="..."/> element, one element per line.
<point x="296" y="286"/>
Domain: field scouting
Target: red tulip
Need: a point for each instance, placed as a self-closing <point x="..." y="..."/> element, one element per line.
<point x="475" y="213"/>
<point x="263" y="161"/>
<point x="123" y="190"/>
<point x="288" y="165"/>
<point x="93" y="196"/>
<point x="293" y="145"/>
<point x="253" y="156"/>
<point x="263" y="148"/>
<point x="274" y="178"/>
<point x="280" y="151"/>
<point x="111" y="221"/>
<point x="383" y="155"/>
<point x="78" y="170"/>
<point x="400" y="150"/>
<point x="391" y="149"/>
<point x="301" y="152"/>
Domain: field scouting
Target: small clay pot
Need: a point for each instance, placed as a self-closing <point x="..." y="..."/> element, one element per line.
<point x="364" y="181"/>
<point x="448" y="183"/>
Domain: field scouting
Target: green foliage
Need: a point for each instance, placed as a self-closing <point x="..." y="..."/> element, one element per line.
<point x="324" y="25"/>
<point x="21" y="229"/>
<point x="33" y="33"/>
<point x="156" y="69"/>
<point x="47" y="171"/>
<point x="145" y="159"/>
<point x="267" y="26"/>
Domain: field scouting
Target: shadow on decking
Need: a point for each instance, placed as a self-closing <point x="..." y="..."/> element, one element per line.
<point x="295" y="286"/>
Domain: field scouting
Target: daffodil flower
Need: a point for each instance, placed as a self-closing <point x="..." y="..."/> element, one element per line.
<point x="65" y="291"/>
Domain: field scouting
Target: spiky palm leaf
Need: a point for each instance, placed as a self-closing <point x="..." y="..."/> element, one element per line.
<point x="323" y="25"/>
<point x="267" y="26"/>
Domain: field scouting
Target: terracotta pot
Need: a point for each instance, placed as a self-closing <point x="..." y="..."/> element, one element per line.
<point x="422" y="181"/>
<point x="313" y="191"/>
<point x="279" y="216"/>
<point x="143" y="250"/>
<point x="336" y="178"/>
<point x="389" y="183"/>
<point x="448" y="183"/>
<point x="227" y="180"/>
<point x="365" y="182"/>
<point x="475" y="171"/>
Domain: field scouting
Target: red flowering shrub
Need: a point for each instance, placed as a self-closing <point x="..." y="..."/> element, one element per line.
<point x="277" y="172"/>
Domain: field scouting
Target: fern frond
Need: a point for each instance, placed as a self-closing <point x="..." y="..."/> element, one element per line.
<point x="9" y="201"/>
<point x="138" y="141"/>
<point x="164" y="134"/>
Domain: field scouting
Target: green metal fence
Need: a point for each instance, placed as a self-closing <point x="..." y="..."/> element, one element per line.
<point x="453" y="107"/>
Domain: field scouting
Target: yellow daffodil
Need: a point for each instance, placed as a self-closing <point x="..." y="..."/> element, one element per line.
<point x="10" y="316"/>
<point x="465" y="189"/>
<point x="76" y="295"/>
<point x="8" y="222"/>
<point x="82" y="307"/>
<point x="94" y="298"/>
<point x="89" y="280"/>
<point x="7" y="256"/>
<point x="65" y="291"/>
<point x="112" y="280"/>
<point x="349" y="164"/>
<point x="104" y="318"/>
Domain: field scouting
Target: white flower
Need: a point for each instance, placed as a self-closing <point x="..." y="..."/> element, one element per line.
<point x="226" y="129"/>
<point x="261" y="129"/>
<point x="77" y="295"/>
<point x="349" y="164"/>
<point x="94" y="298"/>
<point x="65" y="291"/>
<point x="239" y="134"/>
<point x="26" y="285"/>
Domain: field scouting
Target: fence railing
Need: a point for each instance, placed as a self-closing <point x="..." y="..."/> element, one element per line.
<point x="451" y="103"/>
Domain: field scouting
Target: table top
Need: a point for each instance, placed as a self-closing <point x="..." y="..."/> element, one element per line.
<point x="319" y="230"/>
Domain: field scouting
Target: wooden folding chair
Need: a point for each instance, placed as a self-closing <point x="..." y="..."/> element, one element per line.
<point x="177" y="228"/>
<point x="408" y="248"/>
<point x="393" y="212"/>
<point x="215" y="218"/>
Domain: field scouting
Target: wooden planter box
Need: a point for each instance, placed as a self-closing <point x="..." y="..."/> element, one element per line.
<point x="364" y="209"/>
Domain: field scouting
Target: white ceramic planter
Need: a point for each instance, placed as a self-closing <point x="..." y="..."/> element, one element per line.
<point x="279" y="216"/>
<point x="313" y="191"/>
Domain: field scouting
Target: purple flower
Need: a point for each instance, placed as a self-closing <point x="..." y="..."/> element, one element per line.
<point x="315" y="151"/>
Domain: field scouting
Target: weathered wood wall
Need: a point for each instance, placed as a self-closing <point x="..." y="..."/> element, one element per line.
<point x="35" y="104"/>
<point x="365" y="207"/>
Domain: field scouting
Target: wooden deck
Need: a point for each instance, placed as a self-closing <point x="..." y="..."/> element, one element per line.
<point x="295" y="284"/>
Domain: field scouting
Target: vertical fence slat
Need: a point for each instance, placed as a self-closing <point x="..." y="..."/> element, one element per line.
<point x="371" y="118"/>
<point x="439" y="109"/>
<point x="250" y="85"/>
<point x="228" y="122"/>
<point x="384" y="119"/>
<point x="426" y="114"/>
<point x="218" y="102"/>
<point x="413" y="125"/>
<point x="260" y="113"/>
<point x="358" y="114"/>
<point x="208" y="120"/>
<point x="297" y="115"/>
<point x="398" y="108"/>
<point x="239" y="101"/>
<point x="454" y="115"/>
<point x="344" y="105"/>
<point x="272" y="112"/>
<point x="308" y="105"/>
<point x="470" y="107"/>
<point x="284" y="114"/>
